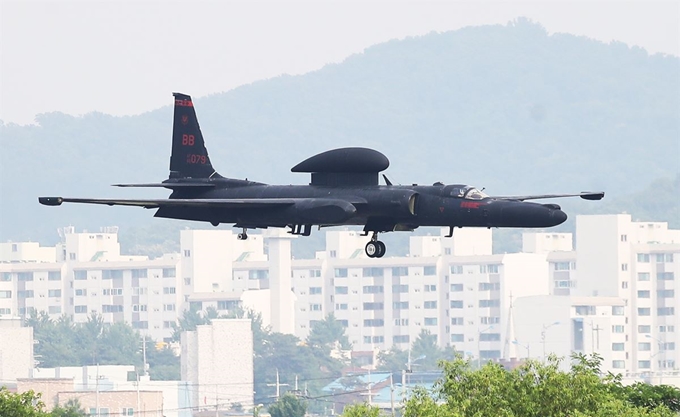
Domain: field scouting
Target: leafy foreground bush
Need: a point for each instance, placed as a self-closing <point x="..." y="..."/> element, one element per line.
<point x="536" y="389"/>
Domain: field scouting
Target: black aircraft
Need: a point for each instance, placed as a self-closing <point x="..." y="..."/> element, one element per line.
<point x="344" y="190"/>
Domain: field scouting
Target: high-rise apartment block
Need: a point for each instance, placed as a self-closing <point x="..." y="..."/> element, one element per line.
<point x="609" y="288"/>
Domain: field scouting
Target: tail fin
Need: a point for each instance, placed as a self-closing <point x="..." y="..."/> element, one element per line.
<point x="189" y="158"/>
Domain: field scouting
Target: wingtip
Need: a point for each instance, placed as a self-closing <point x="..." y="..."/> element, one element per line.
<point x="50" y="201"/>
<point x="593" y="196"/>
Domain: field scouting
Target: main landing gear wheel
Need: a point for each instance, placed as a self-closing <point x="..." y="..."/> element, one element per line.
<point x="375" y="249"/>
<point x="244" y="235"/>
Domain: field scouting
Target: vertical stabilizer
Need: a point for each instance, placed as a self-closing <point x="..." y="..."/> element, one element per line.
<point x="189" y="158"/>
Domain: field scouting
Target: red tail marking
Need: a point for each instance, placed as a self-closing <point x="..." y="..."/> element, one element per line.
<point x="184" y="103"/>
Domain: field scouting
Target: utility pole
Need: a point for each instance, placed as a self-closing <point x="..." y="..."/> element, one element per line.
<point x="392" y="393"/>
<point x="278" y="385"/>
<point x="546" y="327"/>
<point x="97" y="391"/>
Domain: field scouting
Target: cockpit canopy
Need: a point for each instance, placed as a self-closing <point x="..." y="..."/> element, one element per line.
<point x="467" y="192"/>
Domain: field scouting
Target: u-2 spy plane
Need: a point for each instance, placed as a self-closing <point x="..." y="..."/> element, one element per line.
<point x="344" y="190"/>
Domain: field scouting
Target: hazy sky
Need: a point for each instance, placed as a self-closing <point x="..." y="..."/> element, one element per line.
<point x="127" y="57"/>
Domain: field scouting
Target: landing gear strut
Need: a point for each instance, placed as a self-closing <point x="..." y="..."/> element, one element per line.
<point x="244" y="235"/>
<point x="375" y="248"/>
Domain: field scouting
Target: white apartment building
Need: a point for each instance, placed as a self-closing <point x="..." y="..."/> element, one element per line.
<point x="453" y="287"/>
<point x="571" y="324"/>
<point x="218" y="360"/>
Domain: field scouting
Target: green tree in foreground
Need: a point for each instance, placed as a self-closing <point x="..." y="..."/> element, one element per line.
<point x="361" y="410"/>
<point x="536" y="389"/>
<point x="288" y="406"/>
<point x="26" y="404"/>
<point x="72" y="408"/>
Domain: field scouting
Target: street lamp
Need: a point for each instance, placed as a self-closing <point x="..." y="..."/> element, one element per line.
<point x="479" y="347"/>
<point x="546" y="327"/>
<point x="516" y="342"/>
<point x="661" y="351"/>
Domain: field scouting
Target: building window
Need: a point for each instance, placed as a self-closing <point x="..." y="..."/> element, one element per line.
<point x="342" y="306"/>
<point x="401" y="339"/>
<point x="493" y="269"/>
<point x="665" y="311"/>
<point x="430" y="305"/>
<point x="5" y="294"/>
<point x="168" y="290"/>
<point x="624" y="238"/>
<point x="618" y="311"/>
<point x="447" y="251"/>
<point x="489" y="337"/>
<point x="490" y="354"/>
<point x="374" y="323"/>
<point x="644" y="347"/>
<point x="618" y="329"/>
<point x="489" y="303"/>
<point x="430" y="270"/>
<point x="54" y="293"/>
<point x="562" y="266"/>
<point x="400" y="305"/>
<point x="624" y="267"/>
<point x="457" y="321"/>
<point x="373" y="272"/>
<point x="400" y="271"/>
<point x="25" y="276"/>
<point x="665" y="293"/>
<point x="430" y="288"/>
<point x="643" y="257"/>
<point x="80" y="309"/>
<point x="643" y="294"/>
<point x="315" y="307"/>
<point x="490" y="320"/>
<point x="25" y="294"/>
<point x="430" y="321"/>
<point x="54" y="275"/>
<point x="618" y="347"/>
<point x="644" y="364"/>
<point x="373" y="289"/>
<point x="340" y="272"/>
<point x="666" y="329"/>
<point x="72" y="256"/>
<point x="664" y="276"/>
<point x="644" y="311"/>
<point x="112" y="308"/>
<point x="456" y="303"/>
<point x="112" y="273"/>
<point x="168" y="307"/>
<point x="618" y="364"/>
<point x="314" y="290"/>
<point x="401" y="322"/>
<point x="169" y="272"/>
<point x="187" y="253"/>
<point x="644" y="329"/>
<point x="643" y="276"/>
<point x="341" y="290"/>
<point x="488" y="286"/>
<point x="456" y="287"/>
<point x="333" y="254"/>
<point x="374" y="306"/>
<point x="399" y="288"/>
<point x="456" y="269"/>
<point x="457" y="337"/>
<point x="585" y="310"/>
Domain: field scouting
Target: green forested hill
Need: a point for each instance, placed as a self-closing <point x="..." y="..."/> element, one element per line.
<point x="508" y="108"/>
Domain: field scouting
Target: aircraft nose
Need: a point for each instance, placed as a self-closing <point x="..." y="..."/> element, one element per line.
<point x="558" y="216"/>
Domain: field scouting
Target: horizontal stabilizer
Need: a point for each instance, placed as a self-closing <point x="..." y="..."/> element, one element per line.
<point x="170" y="185"/>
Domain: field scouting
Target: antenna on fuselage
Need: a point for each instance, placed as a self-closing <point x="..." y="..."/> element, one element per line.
<point x="387" y="181"/>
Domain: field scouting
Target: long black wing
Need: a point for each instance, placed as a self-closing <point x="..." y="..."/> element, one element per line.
<point x="176" y="202"/>
<point x="586" y="195"/>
